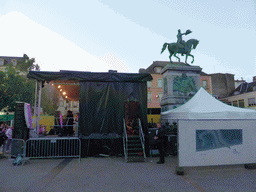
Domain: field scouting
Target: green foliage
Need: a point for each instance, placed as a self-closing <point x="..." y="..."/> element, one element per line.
<point x="26" y="64"/>
<point x="15" y="86"/>
<point x="50" y="99"/>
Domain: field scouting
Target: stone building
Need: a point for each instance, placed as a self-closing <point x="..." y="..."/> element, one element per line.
<point x="243" y="96"/>
<point x="222" y="84"/>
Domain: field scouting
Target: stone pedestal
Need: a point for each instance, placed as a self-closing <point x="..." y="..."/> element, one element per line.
<point x="181" y="82"/>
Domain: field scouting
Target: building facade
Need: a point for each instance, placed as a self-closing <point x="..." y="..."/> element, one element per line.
<point x="243" y="96"/>
<point x="206" y="82"/>
<point x="222" y="84"/>
<point x="4" y="61"/>
<point x="64" y="106"/>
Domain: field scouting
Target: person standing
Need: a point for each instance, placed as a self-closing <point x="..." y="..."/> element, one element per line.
<point x="69" y="123"/>
<point x="1" y="127"/>
<point x="159" y="138"/>
<point x="9" y="140"/>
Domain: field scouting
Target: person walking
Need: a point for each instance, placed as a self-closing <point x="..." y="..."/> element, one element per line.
<point x="9" y="140"/>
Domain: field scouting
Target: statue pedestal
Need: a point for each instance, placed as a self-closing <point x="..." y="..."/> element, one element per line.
<point x="181" y="82"/>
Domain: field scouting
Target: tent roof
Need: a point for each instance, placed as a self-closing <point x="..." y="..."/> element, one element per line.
<point x="68" y="81"/>
<point x="89" y="76"/>
<point x="204" y="106"/>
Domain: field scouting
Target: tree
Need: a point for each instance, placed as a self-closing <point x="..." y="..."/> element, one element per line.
<point x="15" y="86"/>
<point x="49" y="101"/>
<point x="26" y="64"/>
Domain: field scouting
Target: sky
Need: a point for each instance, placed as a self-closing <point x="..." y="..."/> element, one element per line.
<point x="98" y="35"/>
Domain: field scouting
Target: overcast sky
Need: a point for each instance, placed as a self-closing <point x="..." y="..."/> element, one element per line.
<point x="97" y="35"/>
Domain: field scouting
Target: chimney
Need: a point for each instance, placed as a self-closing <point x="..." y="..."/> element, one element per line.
<point x="112" y="71"/>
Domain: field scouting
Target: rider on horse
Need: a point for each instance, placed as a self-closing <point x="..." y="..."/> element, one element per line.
<point x="180" y="42"/>
<point x="181" y="47"/>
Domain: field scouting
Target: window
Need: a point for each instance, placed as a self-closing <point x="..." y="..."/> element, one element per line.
<point x="1" y="62"/>
<point x="165" y="85"/>
<point x="251" y="101"/>
<point x="75" y="104"/>
<point x="160" y="83"/>
<point x="154" y="111"/>
<point x="234" y="103"/>
<point x="158" y="69"/>
<point x="229" y="103"/>
<point x="149" y="84"/>
<point x="241" y="103"/>
<point x="14" y="62"/>
<point x="204" y="84"/>
<point x="160" y="95"/>
<point x="149" y="96"/>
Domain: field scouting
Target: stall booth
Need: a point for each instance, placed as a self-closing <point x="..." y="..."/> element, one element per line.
<point x="102" y="98"/>
<point x="213" y="133"/>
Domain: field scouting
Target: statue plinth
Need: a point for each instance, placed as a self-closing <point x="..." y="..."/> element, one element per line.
<point x="181" y="82"/>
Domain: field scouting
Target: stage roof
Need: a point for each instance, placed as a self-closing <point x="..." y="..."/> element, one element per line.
<point x="67" y="82"/>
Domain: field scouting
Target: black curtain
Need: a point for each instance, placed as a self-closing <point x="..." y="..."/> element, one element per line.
<point x="101" y="105"/>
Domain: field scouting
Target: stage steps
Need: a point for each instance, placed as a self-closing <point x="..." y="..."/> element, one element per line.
<point x="135" y="152"/>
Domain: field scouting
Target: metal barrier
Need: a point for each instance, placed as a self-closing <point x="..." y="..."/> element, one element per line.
<point x="125" y="142"/>
<point x="18" y="147"/>
<point x="58" y="147"/>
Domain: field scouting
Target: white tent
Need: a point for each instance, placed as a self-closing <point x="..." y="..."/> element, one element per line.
<point x="213" y="133"/>
<point x="204" y="106"/>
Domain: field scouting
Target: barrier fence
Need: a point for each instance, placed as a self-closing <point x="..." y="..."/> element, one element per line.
<point x="59" y="147"/>
<point x="18" y="146"/>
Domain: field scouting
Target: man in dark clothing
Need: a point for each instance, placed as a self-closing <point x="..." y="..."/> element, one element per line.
<point x="69" y="123"/>
<point x="159" y="138"/>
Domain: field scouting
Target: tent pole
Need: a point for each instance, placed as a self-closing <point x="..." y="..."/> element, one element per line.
<point x="35" y="109"/>
<point x="37" y="104"/>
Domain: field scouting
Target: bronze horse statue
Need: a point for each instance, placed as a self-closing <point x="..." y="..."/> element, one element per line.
<point x="175" y="48"/>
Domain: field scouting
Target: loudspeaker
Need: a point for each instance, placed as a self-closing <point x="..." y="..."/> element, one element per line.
<point x="20" y="131"/>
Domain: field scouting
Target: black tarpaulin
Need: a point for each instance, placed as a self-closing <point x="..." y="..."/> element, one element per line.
<point x="102" y="105"/>
<point x="89" y="76"/>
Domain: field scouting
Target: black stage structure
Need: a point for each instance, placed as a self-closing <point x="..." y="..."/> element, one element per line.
<point x="101" y="97"/>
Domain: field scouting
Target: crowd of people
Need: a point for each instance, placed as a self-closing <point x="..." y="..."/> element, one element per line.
<point x="67" y="129"/>
<point x="5" y="137"/>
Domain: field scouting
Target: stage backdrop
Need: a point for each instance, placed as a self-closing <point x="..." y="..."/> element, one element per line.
<point x="101" y="105"/>
<point x="216" y="142"/>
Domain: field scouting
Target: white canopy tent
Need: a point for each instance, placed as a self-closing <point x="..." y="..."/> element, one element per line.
<point x="213" y="133"/>
<point x="204" y="106"/>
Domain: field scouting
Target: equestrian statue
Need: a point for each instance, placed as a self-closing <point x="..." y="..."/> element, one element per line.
<point x="181" y="46"/>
